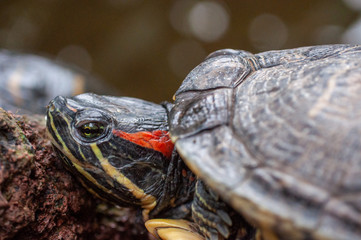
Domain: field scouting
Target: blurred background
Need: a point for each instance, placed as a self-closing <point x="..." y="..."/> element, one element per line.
<point x="145" y="48"/>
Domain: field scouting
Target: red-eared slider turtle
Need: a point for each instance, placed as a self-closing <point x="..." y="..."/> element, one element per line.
<point x="275" y="135"/>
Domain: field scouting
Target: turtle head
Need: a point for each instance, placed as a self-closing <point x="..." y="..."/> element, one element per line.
<point x="118" y="147"/>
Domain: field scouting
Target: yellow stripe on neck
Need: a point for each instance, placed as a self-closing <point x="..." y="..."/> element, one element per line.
<point x="148" y="202"/>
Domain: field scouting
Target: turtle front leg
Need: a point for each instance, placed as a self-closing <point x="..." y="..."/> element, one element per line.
<point x="210" y="213"/>
<point x="215" y="219"/>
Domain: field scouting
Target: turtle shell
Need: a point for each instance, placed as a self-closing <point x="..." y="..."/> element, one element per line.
<point x="277" y="135"/>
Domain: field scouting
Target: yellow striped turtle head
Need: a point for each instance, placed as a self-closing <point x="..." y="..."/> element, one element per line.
<point x="118" y="147"/>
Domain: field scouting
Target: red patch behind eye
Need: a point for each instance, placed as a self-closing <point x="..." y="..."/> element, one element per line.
<point x="157" y="140"/>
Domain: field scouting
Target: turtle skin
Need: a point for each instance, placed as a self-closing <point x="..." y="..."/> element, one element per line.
<point x="277" y="136"/>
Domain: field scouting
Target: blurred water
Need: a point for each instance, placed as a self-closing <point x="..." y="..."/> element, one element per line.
<point x="145" y="49"/>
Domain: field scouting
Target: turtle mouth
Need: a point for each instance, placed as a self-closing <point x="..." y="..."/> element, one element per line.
<point x="59" y="141"/>
<point x="57" y="122"/>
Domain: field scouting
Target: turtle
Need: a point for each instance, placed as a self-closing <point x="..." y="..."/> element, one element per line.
<point x="28" y="82"/>
<point x="254" y="146"/>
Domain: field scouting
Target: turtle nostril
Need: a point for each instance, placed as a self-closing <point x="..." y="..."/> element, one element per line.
<point x="51" y="107"/>
<point x="56" y="103"/>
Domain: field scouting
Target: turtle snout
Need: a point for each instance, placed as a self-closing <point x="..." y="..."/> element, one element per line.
<point x="56" y="103"/>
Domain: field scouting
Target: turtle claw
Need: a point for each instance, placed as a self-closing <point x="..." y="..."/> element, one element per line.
<point x="213" y="236"/>
<point x="172" y="229"/>
<point x="225" y="217"/>
<point x="223" y="229"/>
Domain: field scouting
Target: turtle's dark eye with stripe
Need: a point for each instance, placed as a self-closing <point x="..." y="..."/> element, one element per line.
<point x="91" y="130"/>
<point x="91" y="125"/>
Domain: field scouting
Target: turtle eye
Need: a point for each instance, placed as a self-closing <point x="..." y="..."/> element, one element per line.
<point x="91" y="130"/>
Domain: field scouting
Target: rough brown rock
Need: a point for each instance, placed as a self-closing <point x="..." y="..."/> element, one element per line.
<point x="38" y="197"/>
